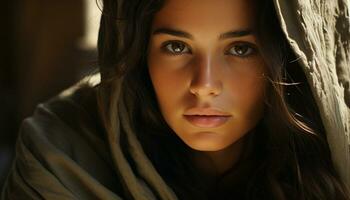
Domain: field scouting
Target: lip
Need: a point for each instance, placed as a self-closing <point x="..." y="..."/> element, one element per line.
<point x="206" y="117"/>
<point x="206" y="121"/>
<point x="206" y="111"/>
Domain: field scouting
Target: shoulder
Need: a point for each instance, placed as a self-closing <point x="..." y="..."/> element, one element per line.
<point x="61" y="150"/>
<point x="65" y="120"/>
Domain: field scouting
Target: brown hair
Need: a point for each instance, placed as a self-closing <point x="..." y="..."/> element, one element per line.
<point x="288" y="156"/>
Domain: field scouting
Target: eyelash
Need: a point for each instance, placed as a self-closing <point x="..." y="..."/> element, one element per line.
<point x="252" y="48"/>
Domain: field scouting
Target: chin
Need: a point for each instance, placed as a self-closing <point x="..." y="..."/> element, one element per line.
<point x="207" y="142"/>
<point x="206" y="148"/>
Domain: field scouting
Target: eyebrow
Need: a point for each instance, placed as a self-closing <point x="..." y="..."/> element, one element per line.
<point x="180" y="33"/>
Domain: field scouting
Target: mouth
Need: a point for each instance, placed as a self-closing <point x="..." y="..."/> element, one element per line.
<point x="211" y="111"/>
<point x="207" y="121"/>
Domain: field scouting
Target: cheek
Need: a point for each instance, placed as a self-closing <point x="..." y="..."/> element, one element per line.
<point x="169" y="84"/>
<point x="249" y="96"/>
<point x="245" y="87"/>
<point x="165" y="77"/>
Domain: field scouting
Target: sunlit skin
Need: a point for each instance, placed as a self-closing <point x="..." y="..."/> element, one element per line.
<point x="193" y="63"/>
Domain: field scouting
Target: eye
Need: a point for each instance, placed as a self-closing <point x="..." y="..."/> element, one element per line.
<point x="175" y="47"/>
<point x="242" y="50"/>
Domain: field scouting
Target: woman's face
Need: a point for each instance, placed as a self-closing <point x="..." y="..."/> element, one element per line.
<point x="206" y="70"/>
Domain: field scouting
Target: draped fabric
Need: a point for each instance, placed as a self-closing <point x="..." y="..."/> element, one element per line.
<point x="63" y="151"/>
<point x="319" y="33"/>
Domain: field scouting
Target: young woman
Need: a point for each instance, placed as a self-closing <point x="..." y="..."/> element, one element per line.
<point x="198" y="99"/>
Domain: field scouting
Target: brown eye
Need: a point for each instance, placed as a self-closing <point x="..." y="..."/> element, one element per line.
<point x="176" y="47"/>
<point x="241" y="50"/>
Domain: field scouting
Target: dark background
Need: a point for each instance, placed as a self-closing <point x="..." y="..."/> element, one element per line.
<point x="41" y="54"/>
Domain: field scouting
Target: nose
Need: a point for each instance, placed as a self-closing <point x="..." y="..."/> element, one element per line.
<point x="206" y="77"/>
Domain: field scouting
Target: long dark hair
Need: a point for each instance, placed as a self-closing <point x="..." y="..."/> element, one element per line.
<point x="287" y="156"/>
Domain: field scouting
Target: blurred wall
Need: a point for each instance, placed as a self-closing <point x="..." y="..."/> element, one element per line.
<point x="8" y="85"/>
<point x="47" y="48"/>
<point x="43" y="53"/>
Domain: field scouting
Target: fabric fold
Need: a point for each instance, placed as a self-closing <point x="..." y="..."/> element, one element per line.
<point x="319" y="33"/>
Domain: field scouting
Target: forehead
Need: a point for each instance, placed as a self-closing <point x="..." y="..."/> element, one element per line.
<point x="201" y="14"/>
